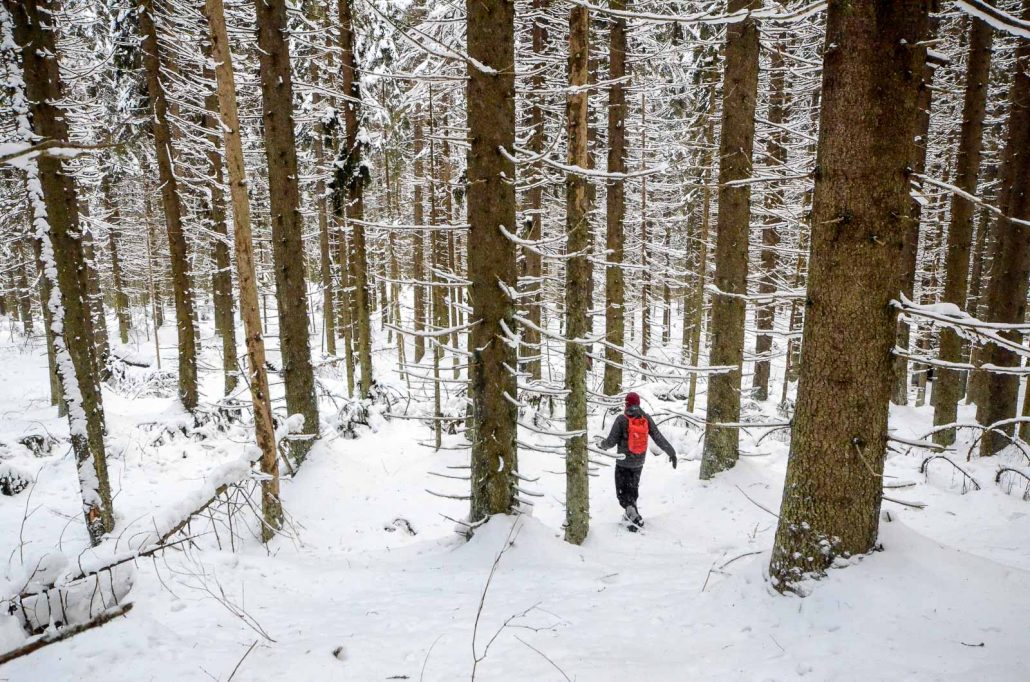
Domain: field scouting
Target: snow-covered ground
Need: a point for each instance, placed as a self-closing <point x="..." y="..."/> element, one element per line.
<point x="357" y="597"/>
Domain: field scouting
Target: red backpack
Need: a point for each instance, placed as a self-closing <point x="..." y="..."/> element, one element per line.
<point x="637" y="440"/>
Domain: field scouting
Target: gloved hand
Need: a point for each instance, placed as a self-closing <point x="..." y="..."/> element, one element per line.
<point x="673" y="461"/>
<point x="597" y="440"/>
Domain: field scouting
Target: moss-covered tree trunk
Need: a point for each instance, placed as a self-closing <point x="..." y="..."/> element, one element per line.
<point x="577" y="283"/>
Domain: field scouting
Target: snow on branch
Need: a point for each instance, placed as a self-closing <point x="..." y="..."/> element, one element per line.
<point x="17" y="154"/>
<point x="997" y="19"/>
<point x="708" y="17"/>
<point x="579" y="170"/>
<point x="970" y="198"/>
<point x="967" y="326"/>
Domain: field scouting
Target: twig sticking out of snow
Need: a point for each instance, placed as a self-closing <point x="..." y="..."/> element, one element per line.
<point x="750" y="499"/>
<point x="926" y="463"/>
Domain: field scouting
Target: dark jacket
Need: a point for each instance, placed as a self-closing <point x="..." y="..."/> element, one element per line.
<point x="619" y="436"/>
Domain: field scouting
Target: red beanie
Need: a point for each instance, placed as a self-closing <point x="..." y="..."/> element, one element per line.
<point x="632" y="399"/>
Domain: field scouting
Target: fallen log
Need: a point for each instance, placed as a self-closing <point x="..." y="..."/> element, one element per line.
<point x="65" y="633"/>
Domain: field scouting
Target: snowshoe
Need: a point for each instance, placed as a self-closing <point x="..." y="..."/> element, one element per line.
<point x="634" y="521"/>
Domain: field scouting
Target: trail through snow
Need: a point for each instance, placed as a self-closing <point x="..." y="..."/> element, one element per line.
<point x="361" y="598"/>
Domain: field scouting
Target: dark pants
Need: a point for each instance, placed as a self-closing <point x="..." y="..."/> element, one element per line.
<point x="627" y="485"/>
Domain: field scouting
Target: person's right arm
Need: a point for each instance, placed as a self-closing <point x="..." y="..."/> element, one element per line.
<point x="615" y="435"/>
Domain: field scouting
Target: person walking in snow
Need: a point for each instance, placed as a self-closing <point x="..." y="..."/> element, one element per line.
<point x="630" y="433"/>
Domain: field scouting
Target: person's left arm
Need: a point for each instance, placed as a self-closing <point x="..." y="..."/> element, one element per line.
<point x="659" y="439"/>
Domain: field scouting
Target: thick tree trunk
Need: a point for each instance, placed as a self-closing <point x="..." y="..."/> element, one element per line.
<point x="740" y="94"/>
<point x="287" y="226"/>
<point x="860" y="216"/>
<point x="491" y="267"/>
<point x="948" y="387"/>
<point x="181" y="286"/>
<point x="56" y="227"/>
<point x="1010" y="270"/>
<point x="614" y="286"/>
<point x="264" y="429"/>
<point x="577" y="284"/>
<point x="350" y="179"/>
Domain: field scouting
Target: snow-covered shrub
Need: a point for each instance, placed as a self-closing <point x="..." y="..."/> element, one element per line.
<point x="13" y="480"/>
<point x="134" y="380"/>
<point x="39" y="444"/>
<point x="354" y="413"/>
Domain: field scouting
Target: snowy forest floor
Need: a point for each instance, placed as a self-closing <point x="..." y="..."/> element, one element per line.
<point x="948" y="598"/>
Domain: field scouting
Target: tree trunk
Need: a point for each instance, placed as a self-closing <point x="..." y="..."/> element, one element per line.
<point x="56" y="389"/>
<point x="436" y="296"/>
<point x="491" y="266"/>
<point x="351" y="177"/>
<point x="24" y="291"/>
<point x="419" y="247"/>
<point x="533" y="261"/>
<point x="56" y="227"/>
<point x="121" y="299"/>
<point x="645" y="259"/>
<point x="324" y="244"/>
<point x="264" y="429"/>
<point x="695" y="316"/>
<point x="577" y="284"/>
<point x="221" y="280"/>
<point x="776" y="150"/>
<point x="287" y="226"/>
<point x="911" y="245"/>
<point x="740" y="94"/>
<point x="614" y="285"/>
<point x="94" y="296"/>
<point x="1010" y="269"/>
<point x="152" y="285"/>
<point x="860" y="215"/>
<point x="184" y="314"/>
